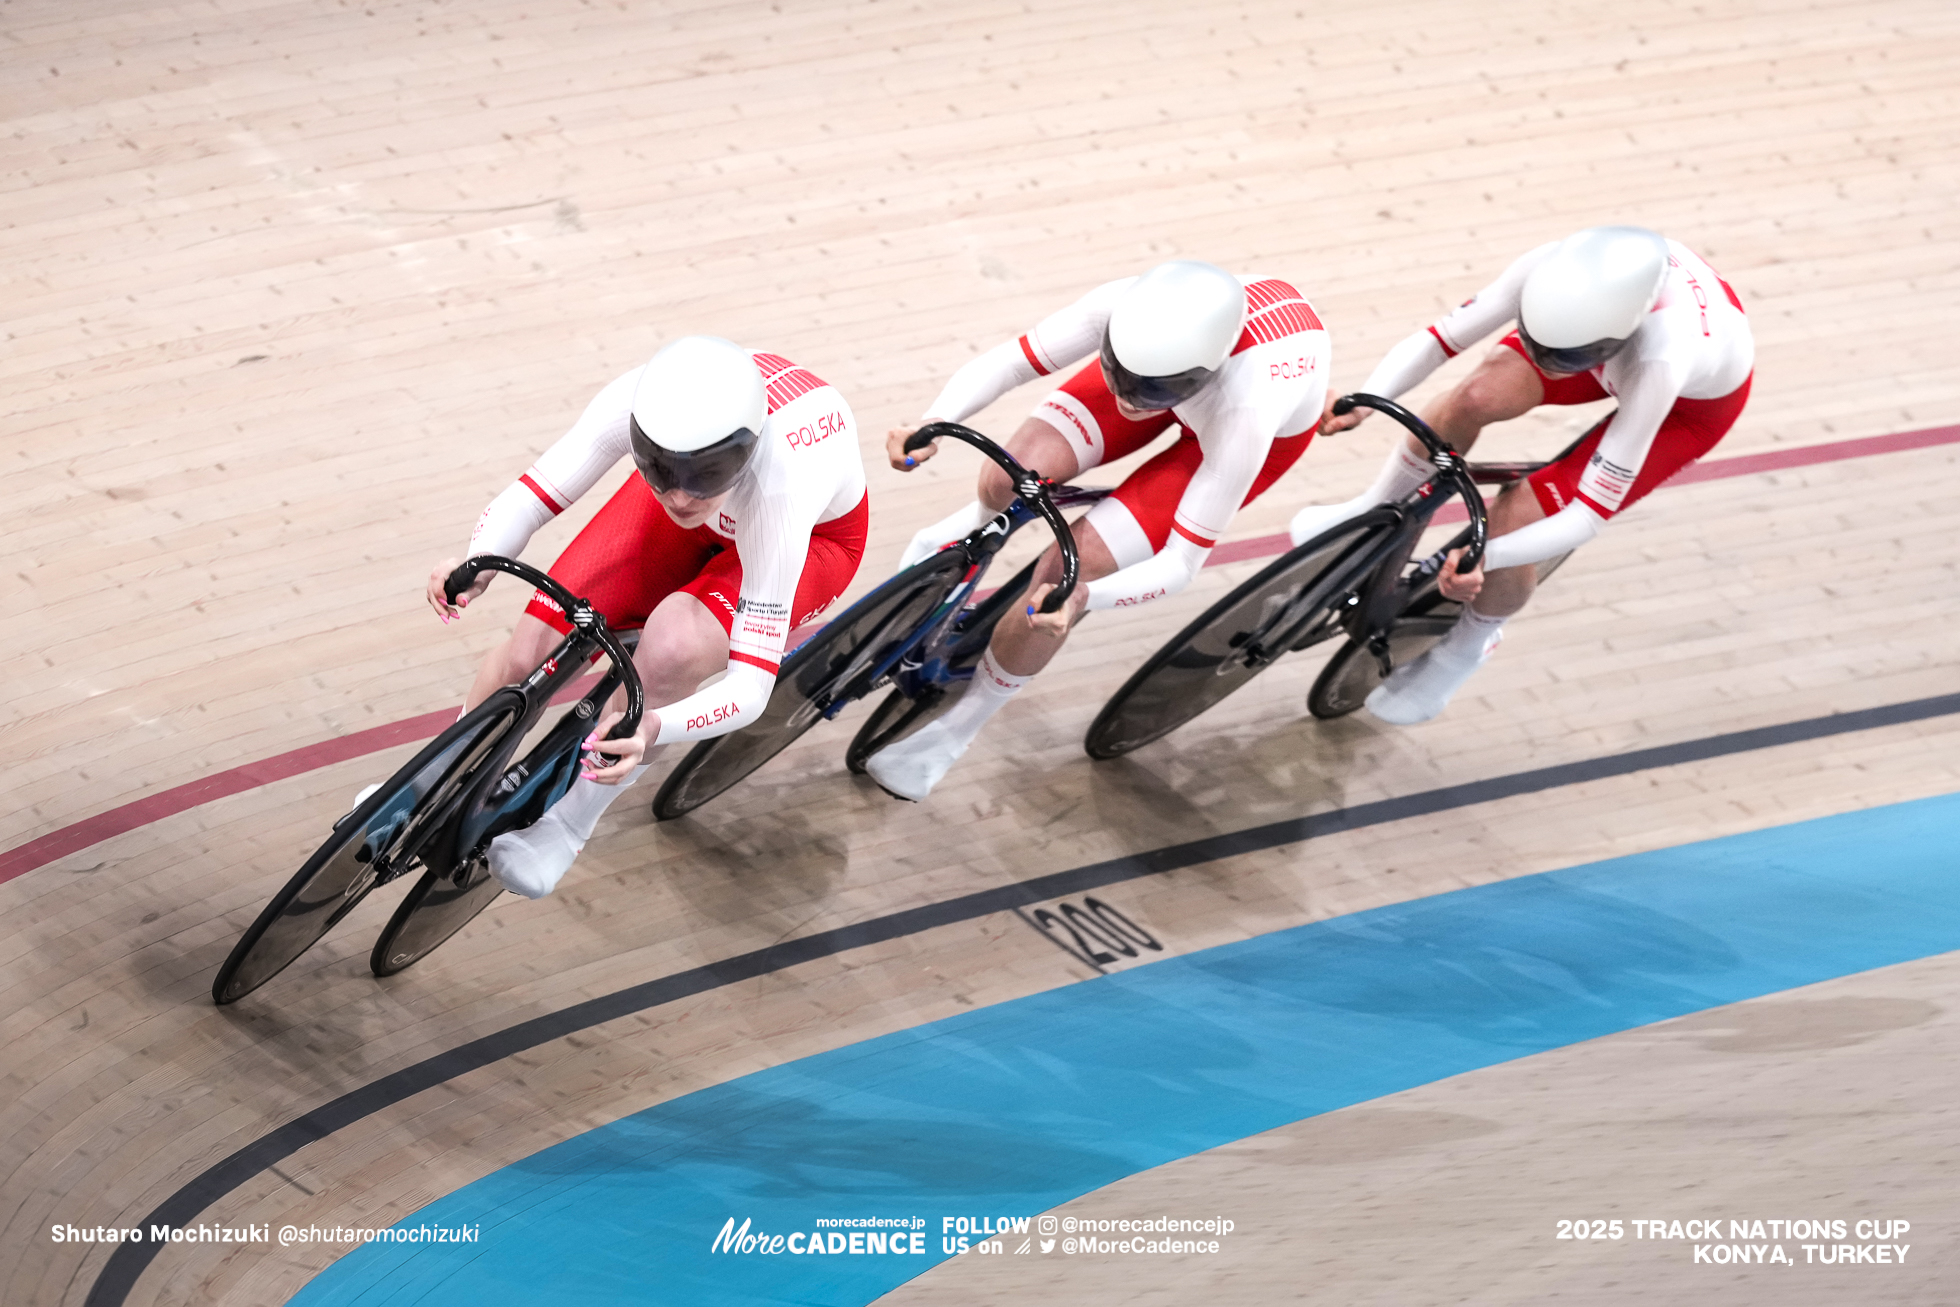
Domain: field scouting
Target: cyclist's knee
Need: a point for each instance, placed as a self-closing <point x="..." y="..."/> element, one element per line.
<point x="682" y="646"/>
<point x="994" y="490"/>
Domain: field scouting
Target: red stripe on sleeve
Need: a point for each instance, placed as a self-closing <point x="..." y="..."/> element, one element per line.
<point x="1448" y="353"/>
<point x="544" y="496"/>
<point x="1582" y="497"/>
<point x="1191" y="535"/>
<point x="1028" y="350"/>
<point x="737" y="656"/>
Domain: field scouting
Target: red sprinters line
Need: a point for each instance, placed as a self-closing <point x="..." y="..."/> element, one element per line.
<point x="168" y="803"/>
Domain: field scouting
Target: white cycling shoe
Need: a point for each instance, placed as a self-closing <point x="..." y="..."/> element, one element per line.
<point x="910" y="768"/>
<point x="1418" y="691"/>
<point x="532" y="861"/>
<point x="1315" y="518"/>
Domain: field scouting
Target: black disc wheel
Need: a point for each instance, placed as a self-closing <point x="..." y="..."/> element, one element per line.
<point x="437" y="907"/>
<point x="1343" y="685"/>
<point x="828" y="667"/>
<point x="1297" y="601"/>
<point x="383" y="833"/>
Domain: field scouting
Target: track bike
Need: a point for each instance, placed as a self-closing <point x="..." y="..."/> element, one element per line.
<point x="920" y="634"/>
<point x="438" y="814"/>
<point x="1354" y="580"/>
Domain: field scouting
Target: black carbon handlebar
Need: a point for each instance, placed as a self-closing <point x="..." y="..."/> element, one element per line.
<point x="1033" y="491"/>
<point x="1449" y="465"/>
<point x="583" y="617"/>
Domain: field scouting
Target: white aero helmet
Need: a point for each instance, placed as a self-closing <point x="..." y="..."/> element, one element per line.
<point x="1589" y="296"/>
<point x="697" y="411"/>
<point x="1170" y="332"/>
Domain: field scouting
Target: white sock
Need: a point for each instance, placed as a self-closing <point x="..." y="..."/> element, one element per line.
<point x="1473" y="636"/>
<point x="587" y="801"/>
<point x="992" y="686"/>
<point x="943" y="532"/>
<point x="1399" y="477"/>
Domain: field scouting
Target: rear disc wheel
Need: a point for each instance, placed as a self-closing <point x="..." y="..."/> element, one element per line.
<point x="1297" y="601"/>
<point x="811" y="679"/>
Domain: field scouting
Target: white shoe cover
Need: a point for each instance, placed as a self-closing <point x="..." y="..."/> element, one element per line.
<point x="910" y="768"/>
<point x="1418" y="691"/>
<point x="362" y="797"/>
<point x="1315" y="518"/>
<point x="532" y="861"/>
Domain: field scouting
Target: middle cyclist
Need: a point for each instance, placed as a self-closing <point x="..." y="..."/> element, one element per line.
<point x="1239" y="363"/>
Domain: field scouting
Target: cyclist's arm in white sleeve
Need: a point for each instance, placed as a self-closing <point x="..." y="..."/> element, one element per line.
<point x="1548" y="537"/>
<point x="774" y="540"/>
<point x="1647" y="392"/>
<point x="1206" y="508"/>
<point x="1416" y="356"/>
<point x="562" y="473"/>
<point x="1059" y="340"/>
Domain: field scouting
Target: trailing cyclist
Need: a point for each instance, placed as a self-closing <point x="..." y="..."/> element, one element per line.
<point x="1240" y="364"/>
<point x="1614" y="312"/>
<point x="746" y="520"/>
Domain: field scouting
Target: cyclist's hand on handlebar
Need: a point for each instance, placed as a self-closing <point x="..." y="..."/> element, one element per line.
<point x="1054" y="625"/>
<point x="895" y="448"/>
<point x="1460" y="586"/>
<point x="440" y="601"/>
<point x="1329" y="424"/>
<point x="626" y="753"/>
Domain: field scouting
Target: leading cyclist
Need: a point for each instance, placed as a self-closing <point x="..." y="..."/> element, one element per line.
<point x="1240" y="364"/>
<point x="746" y="520"/>
<point x="1608" y="311"/>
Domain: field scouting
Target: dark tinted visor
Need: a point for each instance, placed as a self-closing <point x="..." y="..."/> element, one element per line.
<point x="1151" y="392"/>
<point x="1567" y="362"/>
<point x="703" y="474"/>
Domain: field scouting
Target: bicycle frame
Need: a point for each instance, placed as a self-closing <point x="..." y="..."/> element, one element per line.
<point x="507" y="797"/>
<point x="925" y="659"/>
<point x="930" y="659"/>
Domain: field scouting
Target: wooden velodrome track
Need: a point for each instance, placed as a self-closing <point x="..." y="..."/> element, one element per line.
<point x="292" y="289"/>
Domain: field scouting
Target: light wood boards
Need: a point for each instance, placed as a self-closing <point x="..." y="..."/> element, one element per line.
<point x="292" y="290"/>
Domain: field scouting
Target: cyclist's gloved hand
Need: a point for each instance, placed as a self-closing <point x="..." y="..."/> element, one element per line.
<point x="440" y="602"/>
<point x="895" y="448"/>
<point x="626" y="753"/>
<point x="1460" y="586"/>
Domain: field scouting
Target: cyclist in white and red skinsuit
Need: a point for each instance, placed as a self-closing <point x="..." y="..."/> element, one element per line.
<point x="1608" y="312"/>
<point x="718" y="578"/>
<point x="1239" y="364"/>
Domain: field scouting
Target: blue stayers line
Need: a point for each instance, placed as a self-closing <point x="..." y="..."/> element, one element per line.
<point x="1013" y="1109"/>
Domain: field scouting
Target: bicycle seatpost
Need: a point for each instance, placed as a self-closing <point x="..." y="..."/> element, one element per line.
<point x="583" y="617"/>
<point x="1033" y="491"/>
<point x="1449" y="466"/>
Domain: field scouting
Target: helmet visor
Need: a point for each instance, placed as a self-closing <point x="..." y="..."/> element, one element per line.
<point x="1151" y="393"/>
<point x="1569" y="362"/>
<point x="702" y="474"/>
